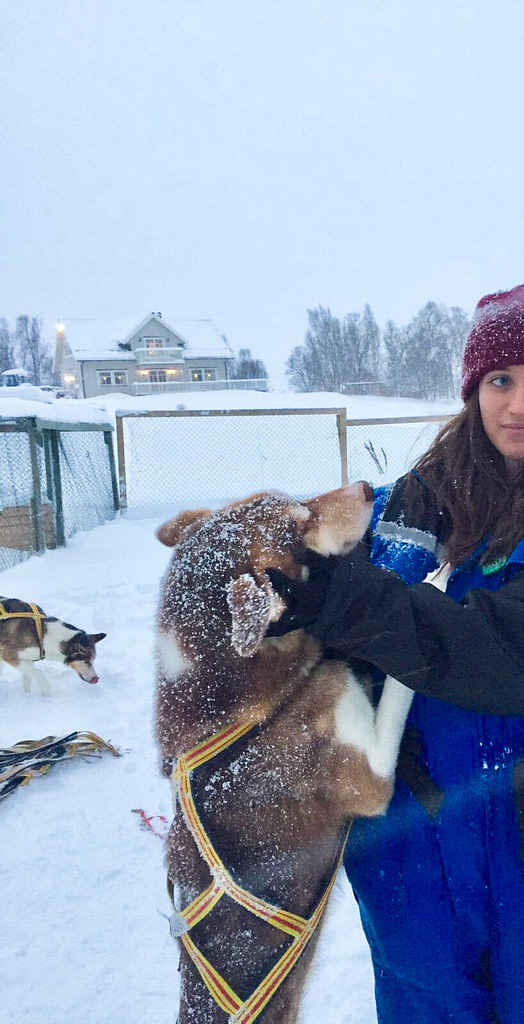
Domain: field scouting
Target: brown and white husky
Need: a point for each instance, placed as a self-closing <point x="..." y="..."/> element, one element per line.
<point x="276" y="803"/>
<point x="27" y="635"/>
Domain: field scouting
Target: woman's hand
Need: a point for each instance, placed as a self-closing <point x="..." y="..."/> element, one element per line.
<point x="305" y="599"/>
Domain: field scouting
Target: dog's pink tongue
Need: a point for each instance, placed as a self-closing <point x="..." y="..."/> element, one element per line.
<point x="93" y="680"/>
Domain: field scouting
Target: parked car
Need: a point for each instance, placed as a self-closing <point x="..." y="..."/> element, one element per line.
<point x="12" y="378"/>
<point x="52" y="390"/>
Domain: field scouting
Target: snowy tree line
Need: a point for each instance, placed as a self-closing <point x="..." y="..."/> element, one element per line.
<point x="420" y="360"/>
<point x="23" y="347"/>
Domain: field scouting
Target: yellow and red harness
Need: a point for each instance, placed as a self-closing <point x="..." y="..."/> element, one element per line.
<point x="35" y="614"/>
<point x="299" y="928"/>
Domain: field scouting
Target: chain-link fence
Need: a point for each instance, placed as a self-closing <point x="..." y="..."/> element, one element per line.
<point x="381" y="450"/>
<point x="55" y="479"/>
<point x="173" y="459"/>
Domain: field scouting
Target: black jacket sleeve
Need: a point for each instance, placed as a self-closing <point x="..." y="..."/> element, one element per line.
<point x="469" y="653"/>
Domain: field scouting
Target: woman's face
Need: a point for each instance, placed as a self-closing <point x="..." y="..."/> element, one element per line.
<point x="501" y="400"/>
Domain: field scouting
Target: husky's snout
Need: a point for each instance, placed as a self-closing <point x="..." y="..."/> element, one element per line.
<point x="85" y="671"/>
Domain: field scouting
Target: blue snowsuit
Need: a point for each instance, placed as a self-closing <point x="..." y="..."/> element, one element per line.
<point x="441" y="890"/>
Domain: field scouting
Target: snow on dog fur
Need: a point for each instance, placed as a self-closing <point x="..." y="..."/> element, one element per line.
<point x="276" y="803"/>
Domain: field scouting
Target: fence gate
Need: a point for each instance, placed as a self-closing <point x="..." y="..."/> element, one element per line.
<point x="175" y="458"/>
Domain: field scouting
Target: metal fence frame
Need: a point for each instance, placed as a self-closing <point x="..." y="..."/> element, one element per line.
<point x="440" y="417"/>
<point x="339" y="413"/>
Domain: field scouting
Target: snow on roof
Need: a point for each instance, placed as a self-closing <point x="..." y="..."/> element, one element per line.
<point x="113" y="355"/>
<point x="98" y="339"/>
<point x="203" y="338"/>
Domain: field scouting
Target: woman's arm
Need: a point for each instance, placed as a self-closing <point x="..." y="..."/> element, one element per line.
<point x="469" y="653"/>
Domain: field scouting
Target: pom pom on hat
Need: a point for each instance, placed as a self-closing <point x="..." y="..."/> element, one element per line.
<point x="496" y="338"/>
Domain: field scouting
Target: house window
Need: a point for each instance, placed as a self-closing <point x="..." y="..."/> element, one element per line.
<point x="157" y="376"/>
<point x="154" y="343"/>
<point x="108" y="377"/>
<point x="200" y="374"/>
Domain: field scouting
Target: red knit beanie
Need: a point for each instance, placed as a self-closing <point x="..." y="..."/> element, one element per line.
<point x="496" y="338"/>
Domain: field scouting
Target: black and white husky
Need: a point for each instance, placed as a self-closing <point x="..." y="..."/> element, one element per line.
<point x="27" y="635"/>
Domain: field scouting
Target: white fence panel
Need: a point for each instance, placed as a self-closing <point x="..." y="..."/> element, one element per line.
<point x="381" y="450"/>
<point x="176" y="459"/>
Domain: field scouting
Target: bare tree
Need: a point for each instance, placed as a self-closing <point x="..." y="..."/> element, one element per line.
<point x="422" y="359"/>
<point x="459" y="330"/>
<point x="326" y="359"/>
<point x="246" y="367"/>
<point x="335" y="352"/>
<point x="33" y="351"/>
<point x="369" y="346"/>
<point x="395" y="345"/>
<point x="7" y="354"/>
<point x="435" y="339"/>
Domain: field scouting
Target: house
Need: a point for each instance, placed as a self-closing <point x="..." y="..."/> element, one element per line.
<point x="96" y="357"/>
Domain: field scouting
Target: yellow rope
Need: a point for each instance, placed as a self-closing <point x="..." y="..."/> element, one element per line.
<point x="29" y="758"/>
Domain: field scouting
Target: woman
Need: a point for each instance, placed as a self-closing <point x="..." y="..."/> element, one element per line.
<point x="439" y="879"/>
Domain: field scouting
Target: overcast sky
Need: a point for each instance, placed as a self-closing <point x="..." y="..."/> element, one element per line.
<point x="248" y="159"/>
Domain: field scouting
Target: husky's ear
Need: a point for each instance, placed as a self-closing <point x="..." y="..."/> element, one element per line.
<point x="97" y="637"/>
<point x="181" y="526"/>
<point x="250" y="608"/>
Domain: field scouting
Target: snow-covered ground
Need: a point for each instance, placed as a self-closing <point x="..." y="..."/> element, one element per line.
<point x="84" y="936"/>
<point x="28" y="401"/>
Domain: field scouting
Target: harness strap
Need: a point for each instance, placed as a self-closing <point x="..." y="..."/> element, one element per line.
<point x="222" y="993"/>
<point x="259" y="999"/>
<point x="292" y="924"/>
<point x="246" y="1012"/>
<point x="36" y="615"/>
<point x="213" y="746"/>
<point x="299" y="928"/>
<point x="202" y="905"/>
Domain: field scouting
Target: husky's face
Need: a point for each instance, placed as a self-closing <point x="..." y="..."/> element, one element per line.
<point x="80" y="653"/>
<point x="216" y="592"/>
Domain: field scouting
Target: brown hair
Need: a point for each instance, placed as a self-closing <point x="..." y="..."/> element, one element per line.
<point x="472" y="487"/>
